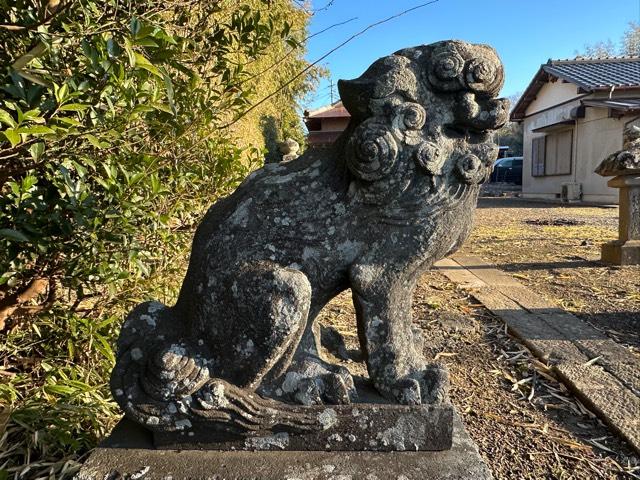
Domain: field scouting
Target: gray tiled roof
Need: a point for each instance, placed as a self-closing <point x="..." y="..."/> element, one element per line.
<point x="598" y="73"/>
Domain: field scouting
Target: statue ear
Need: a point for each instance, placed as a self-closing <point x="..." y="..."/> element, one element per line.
<point x="355" y="95"/>
<point x="386" y="76"/>
<point x="372" y="151"/>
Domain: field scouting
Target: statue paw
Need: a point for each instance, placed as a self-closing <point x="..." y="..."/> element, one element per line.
<point x="427" y="386"/>
<point x="332" y="388"/>
<point x="174" y="372"/>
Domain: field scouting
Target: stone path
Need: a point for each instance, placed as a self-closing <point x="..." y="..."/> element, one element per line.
<point x="602" y="373"/>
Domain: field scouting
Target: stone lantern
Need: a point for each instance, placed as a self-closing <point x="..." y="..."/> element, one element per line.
<point x="624" y="167"/>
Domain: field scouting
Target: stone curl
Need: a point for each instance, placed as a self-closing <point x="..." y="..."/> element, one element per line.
<point x="484" y="76"/>
<point x="471" y="169"/>
<point x="429" y="156"/>
<point x="446" y="69"/>
<point x="372" y="151"/>
<point x="412" y="115"/>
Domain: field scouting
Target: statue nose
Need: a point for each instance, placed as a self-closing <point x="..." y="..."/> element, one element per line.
<point x="482" y="113"/>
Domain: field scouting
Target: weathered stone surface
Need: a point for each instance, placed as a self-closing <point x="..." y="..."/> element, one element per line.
<point x="355" y="427"/>
<point x="289" y="149"/>
<point x="625" y="161"/>
<point x="394" y="194"/>
<point x="128" y="453"/>
<point x="625" y="164"/>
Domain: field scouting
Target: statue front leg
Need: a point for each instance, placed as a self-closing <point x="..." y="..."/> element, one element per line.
<point x="393" y="346"/>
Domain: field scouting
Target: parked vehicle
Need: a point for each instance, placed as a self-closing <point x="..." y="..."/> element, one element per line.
<point x="508" y="170"/>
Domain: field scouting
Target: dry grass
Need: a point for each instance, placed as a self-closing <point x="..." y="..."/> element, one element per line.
<point x="561" y="262"/>
<point x="526" y="424"/>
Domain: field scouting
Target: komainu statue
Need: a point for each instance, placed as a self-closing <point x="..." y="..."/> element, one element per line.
<point x="395" y="193"/>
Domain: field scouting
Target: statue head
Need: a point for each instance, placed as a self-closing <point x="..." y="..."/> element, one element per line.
<point x="428" y="110"/>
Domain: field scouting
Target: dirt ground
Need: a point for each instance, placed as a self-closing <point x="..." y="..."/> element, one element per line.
<point x="554" y="249"/>
<point x="526" y="424"/>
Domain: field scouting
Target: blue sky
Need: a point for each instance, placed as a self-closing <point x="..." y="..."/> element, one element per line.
<point x="525" y="33"/>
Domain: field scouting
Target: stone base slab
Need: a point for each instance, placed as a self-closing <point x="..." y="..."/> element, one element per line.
<point x="355" y="427"/>
<point x="621" y="253"/>
<point x="129" y="453"/>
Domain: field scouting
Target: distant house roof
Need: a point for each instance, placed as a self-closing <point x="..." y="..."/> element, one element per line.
<point x="588" y="74"/>
<point x="325" y="124"/>
<point x="335" y="110"/>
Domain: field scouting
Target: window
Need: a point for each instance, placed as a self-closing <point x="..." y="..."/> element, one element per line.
<point x="537" y="156"/>
<point x="558" y="153"/>
<point x="551" y="154"/>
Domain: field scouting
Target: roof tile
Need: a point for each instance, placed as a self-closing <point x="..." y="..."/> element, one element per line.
<point x="598" y="73"/>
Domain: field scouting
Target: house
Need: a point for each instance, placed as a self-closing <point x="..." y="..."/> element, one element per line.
<point x="325" y="124"/>
<point x="574" y="113"/>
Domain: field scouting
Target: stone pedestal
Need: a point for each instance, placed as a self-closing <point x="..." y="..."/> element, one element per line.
<point x="129" y="453"/>
<point x="357" y="427"/>
<point x="626" y="250"/>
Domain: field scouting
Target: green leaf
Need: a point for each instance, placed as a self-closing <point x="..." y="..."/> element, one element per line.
<point x="59" y="389"/>
<point x="36" y="150"/>
<point x="130" y="52"/>
<point x="14" y="235"/>
<point x="7" y="119"/>
<point x="134" y="25"/>
<point x="4" y="278"/>
<point x="69" y="121"/>
<point x="142" y="62"/>
<point x="168" y="85"/>
<point x="74" y="107"/>
<point x="145" y="42"/>
<point x="28" y="182"/>
<point x="35" y="130"/>
<point x="113" y="49"/>
<point x="93" y="140"/>
<point x="61" y="93"/>
<point x="13" y="136"/>
<point x="142" y="108"/>
<point x="163" y="108"/>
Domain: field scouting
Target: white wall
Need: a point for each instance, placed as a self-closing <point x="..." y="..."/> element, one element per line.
<point x="595" y="137"/>
<point x="551" y="94"/>
<point x="539" y="114"/>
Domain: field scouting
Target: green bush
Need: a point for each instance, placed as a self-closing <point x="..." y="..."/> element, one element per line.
<point x="121" y="121"/>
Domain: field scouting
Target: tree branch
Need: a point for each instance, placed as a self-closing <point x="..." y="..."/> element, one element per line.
<point x="9" y="304"/>
<point x="54" y="11"/>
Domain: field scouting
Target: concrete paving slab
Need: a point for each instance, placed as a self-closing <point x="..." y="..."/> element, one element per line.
<point x="604" y="374"/>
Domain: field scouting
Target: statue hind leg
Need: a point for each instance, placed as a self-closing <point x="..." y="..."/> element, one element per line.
<point x="158" y="372"/>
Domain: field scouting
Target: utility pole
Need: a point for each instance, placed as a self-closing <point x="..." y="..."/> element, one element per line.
<point x="331" y="88"/>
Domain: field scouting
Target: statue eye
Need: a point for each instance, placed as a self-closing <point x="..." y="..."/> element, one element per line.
<point x="446" y="69"/>
<point x="483" y="75"/>
<point x="448" y="65"/>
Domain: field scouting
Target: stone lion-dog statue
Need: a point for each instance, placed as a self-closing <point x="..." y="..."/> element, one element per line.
<point x="395" y="193"/>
